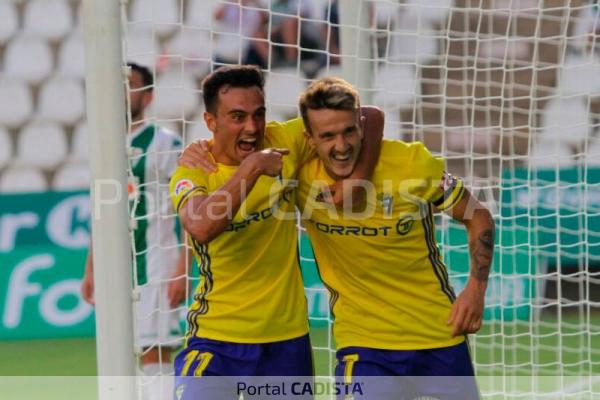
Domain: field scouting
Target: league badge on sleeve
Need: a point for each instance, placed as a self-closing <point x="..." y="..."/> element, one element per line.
<point x="448" y="182"/>
<point x="182" y="186"/>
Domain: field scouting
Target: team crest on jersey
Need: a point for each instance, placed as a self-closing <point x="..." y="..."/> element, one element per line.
<point x="183" y="186"/>
<point x="386" y="201"/>
<point x="323" y="196"/>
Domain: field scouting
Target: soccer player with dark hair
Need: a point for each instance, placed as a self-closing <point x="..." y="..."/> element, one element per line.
<point x="249" y="316"/>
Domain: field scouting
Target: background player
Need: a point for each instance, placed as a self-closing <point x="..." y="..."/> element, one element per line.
<point x="395" y="310"/>
<point x="249" y="317"/>
<point x="161" y="269"/>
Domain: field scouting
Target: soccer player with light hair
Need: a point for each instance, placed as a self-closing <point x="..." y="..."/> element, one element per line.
<point x="249" y="315"/>
<point x="161" y="270"/>
<point x="395" y="311"/>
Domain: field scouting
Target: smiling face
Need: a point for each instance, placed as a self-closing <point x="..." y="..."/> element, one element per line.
<point x="238" y="123"/>
<point x="336" y="136"/>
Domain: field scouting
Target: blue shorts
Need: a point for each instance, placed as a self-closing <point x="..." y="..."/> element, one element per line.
<point x="444" y="373"/>
<point x="223" y="365"/>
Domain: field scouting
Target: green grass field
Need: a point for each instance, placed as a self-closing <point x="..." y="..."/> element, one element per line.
<point x="77" y="357"/>
<point x="511" y="353"/>
<point x="556" y="353"/>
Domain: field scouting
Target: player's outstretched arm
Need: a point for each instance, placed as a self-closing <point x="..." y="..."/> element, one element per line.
<point x="467" y="311"/>
<point x="205" y="217"/>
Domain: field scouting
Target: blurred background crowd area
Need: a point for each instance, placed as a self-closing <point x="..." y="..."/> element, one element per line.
<point x="489" y="84"/>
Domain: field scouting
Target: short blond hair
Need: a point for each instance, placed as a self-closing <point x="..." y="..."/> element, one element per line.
<point x="332" y="93"/>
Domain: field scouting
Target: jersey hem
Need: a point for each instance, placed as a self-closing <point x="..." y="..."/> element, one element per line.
<point x="246" y="340"/>
<point x="380" y="346"/>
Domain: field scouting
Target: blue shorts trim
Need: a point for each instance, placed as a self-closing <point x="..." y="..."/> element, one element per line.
<point x="445" y="373"/>
<point x="285" y="358"/>
<point x="220" y="362"/>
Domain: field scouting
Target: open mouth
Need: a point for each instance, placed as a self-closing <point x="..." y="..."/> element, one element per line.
<point x="341" y="157"/>
<point x="247" y="144"/>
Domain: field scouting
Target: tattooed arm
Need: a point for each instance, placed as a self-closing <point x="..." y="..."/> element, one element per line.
<point x="467" y="311"/>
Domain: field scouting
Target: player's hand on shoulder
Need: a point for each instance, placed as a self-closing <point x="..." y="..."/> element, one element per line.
<point x="197" y="155"/>
<point x="467" y="311"/>
<point x="266" y="162"/>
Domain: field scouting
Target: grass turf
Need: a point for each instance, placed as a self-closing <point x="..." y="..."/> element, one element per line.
<point x="499" y="350"/>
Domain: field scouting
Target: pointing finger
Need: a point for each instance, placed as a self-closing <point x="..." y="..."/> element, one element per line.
<point x="282" y="151"/>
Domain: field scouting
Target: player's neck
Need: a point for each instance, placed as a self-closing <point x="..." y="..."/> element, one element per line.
<point x="331" y="174"/>
<point x="222" y="157"/>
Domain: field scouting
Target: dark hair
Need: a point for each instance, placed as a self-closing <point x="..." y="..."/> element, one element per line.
<point x="232" y="75"/>
<point x="147" y="77"/>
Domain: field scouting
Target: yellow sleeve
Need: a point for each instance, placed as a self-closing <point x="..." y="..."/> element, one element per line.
<point x="440" y="188"/>
<point x="185" y="184"/>
<point x="290" y="134"/>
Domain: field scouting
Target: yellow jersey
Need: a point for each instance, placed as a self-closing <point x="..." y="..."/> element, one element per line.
<point x="250" y="288"/>
<point x="388" y="285"/>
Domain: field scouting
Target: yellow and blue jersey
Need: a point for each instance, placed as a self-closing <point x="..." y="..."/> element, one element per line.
<point x="388" y="284"/>
<point x="251" y="287"/>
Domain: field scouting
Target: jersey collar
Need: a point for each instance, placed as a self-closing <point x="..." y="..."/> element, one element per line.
<point x="141" y="129"/>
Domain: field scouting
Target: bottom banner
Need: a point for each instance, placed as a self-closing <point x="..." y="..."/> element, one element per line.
<point x="319" y="388"/>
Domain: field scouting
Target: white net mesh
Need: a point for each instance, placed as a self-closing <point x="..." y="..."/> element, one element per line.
<point x="506" y="90"/>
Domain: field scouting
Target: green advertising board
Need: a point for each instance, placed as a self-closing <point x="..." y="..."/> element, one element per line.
<point x="549" y="217"/>
<point x="561" y="209"/>
<point x="43" y="245"/>
<point x="511" y="285"/>
<point x="317" y="297"/>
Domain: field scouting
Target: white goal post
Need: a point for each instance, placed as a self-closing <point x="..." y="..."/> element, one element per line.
<point x="110" y="217"/>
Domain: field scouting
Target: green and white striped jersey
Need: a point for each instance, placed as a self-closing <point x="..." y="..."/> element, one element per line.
<point x="153" y="158"/>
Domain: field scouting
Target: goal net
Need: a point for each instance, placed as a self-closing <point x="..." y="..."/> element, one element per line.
<point x="508" y="91"/>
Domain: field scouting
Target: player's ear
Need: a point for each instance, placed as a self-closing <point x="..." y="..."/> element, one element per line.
<point x="210" y="120"/>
